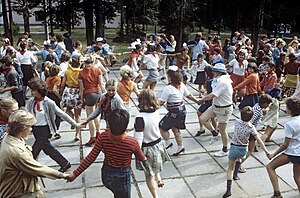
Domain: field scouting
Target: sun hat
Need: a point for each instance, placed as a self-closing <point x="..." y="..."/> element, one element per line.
<point x="219" y="67"/>
<point x="173" y="68"/>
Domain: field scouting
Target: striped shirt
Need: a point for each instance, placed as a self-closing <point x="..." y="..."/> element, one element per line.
<point x="117" y="154"/>
<point x="258" y="112"/>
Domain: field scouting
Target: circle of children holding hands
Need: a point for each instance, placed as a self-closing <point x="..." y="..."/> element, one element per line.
<point x="79" y="81"/>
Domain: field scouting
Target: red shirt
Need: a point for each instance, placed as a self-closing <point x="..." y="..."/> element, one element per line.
<point x="89" y="76"/>
<point x="133" y="55"/>
<point x="117" y="154"/>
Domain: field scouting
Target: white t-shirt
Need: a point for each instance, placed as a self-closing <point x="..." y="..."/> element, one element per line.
<point x="172" y="47"/>
<point x="200" y="66"/>
<point x="292" y="131"/>
<point x="27" y="58"/>
<point x="151" y="61"/>
<point x="222" y="89"/>
<point x="40" y="115"/>
<point x="63" y="68"/>
<point x="171" y="94"/>
<point x="3" y="85"/>
<point x="238" y="70"/>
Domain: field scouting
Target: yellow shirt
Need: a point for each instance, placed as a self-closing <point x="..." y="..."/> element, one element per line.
<point x="72" y="77"/>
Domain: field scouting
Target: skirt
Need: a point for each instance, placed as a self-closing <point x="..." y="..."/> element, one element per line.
<point x="200" y="79"/>
<point x="236" y="79"/>
<point x="153" y="75"/>
<point x="156" y="157"/>
<point x="71" y="98"/>
<point x="249" y="100"/>
<point x="27" y="71"/>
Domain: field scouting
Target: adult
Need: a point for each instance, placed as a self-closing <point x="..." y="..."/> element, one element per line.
<point x="5" y="47"/>
<point x="170" y="49"/>
<point x="291" y="76"/>
<point x="221" y="106"/>
<point x="7" y="107"/>
<point x="60" y="47"/>
<point x="68" y="41"/>
<point x="199" y="47"/>
<point x="19" y="171"/>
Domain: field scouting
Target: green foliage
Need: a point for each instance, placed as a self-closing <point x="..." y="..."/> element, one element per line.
<point x="15" y="29"/>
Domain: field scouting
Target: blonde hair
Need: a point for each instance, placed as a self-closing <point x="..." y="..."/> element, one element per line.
<point x="126" y="72"/>
<point x="6" y="103"/>
<point x="19" y="121"/>
<point x="111" y="82"/>
<point x="148" y="100"/>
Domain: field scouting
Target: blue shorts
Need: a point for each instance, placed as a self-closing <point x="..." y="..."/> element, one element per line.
<point x="294" y="159"/>
<point x="205" y="106"/>
<point x="237" y="152"/>
<point x="174" y="118"/>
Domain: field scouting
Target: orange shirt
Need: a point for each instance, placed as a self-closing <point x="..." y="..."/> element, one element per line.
<point x="133" y="55"/>
<point x="89" y="76"/>
<point x="51" y="81"/>
<point x="125" y="88"/>
<point x="252" y="84"/>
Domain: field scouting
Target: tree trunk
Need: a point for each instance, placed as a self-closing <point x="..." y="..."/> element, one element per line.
<point x="5" y="19"/>
<point x="51" y="16"/>
<point x="100" y="17"/>
<point x="257" y="26"/>
<point x="26" y="16"/>
<point x="69" y="16"/>
<point x="10" y="22"/>
<point x="45" y="20"/>
<point x="89" y="21"/>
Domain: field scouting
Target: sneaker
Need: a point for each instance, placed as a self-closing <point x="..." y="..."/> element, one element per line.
<point x="199" y="133"/>
<point x="163" y="78"/>
<point x="221" y="153"/>
<point x="65" y="168"/>
<point x="57" y="136"/>
<point x="242" y="170"/>
<point x="191" y="80"/>
<point x="213" y="139"/>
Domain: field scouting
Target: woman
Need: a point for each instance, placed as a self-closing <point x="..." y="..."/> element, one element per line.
<point x="19" y="171"/>
<point x="45" y="111"/>
<point x="77" y="51"/>
<point x="133" y="63"/>
<point x="291" y="76"/>
<point x="7" y="107"/>
<point x="173" y="95"/>
<point x="60" y="47"/>
<point x="289" y="151"/>
<point x="90" y="85"/>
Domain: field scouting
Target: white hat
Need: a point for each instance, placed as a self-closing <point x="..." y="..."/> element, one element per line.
<point x="47" y="43"/>
<point x="219" y="67"/>
<point x="99" y="39"/>
<point x="6" y="40"/>
<point x="173" y="68"/>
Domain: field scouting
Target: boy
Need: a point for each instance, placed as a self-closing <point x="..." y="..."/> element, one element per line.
<point x="238" y="149"/>
<point x="118" y="148"/>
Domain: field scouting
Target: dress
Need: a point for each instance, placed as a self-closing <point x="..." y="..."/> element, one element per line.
<point x="271" y="118"/>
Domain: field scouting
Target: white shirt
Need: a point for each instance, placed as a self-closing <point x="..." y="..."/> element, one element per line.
<point x="198" y="49"/>
<point x="292" y="131"/>
<point x="171" y="94"/>
<point x="27" y="58"/>
<point x="172" y="47"/>
<point x="222" y="90"/>
<point x="40" y="116"/>
<point x="200" y="66"/>
<point x="63" y="68"/>
<point x="242" y="131"/>
<point x="238" y="70"/>
<point x="151" y="61"/>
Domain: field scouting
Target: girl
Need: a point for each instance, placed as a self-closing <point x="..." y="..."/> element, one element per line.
<point x="60" y="47"/>
<point x="7" y="107"/>
<point x="77" y="50"/>
<point x="289" y="151"/>
<point x="64" y="63"/>
<point x="200" y="64"/>
<point x="216" y="56"/>
<point x="291" y="76"/>
<point x="70" y="96"/>
<point x="173" y="95"/>
<point x="280" y="65"/>
<point x="252" y="85"/>
<point x="126" y="86"/>
<point x="225" y="50"/>
<point x="90" y="85"/>
<point x="208" y="103"/>
<point x="270" y="79"/>
<point x="107" y="102"/>
<point x="133" y="63"/>
<point x="148" y="135"/>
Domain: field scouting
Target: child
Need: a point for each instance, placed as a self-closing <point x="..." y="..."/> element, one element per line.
<point x="252" y="87"/>
<point x="108" y="102"/>
<point x="148" y="135"/>
<point x="270" y="79"/>
<point x="118" y="148"/>
<point x="238" y="149"/>
<point x="289" y="151"/>
<point x="216" y="56"/>
<point x="208" y="103"/>
<point x="126" y="86"/>
<point x="7" y="107"/>
<point x="200" y="64"/>
<point x="53" y="83"/>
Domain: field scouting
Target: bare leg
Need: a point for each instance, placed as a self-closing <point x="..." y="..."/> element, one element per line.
<point x="165" y="134"/>
<point x="151" y="185"/>
<point x="224" y="135"/>
<point x="178" y="137"/>
<point x="89" y="110"/>
<point x="201" y="128"/>
<point x="251" y="146"/>
<point x="146" y="84"/>
<point x="77" y="119"/>
<point x="153" y="85"/>
<point x="230" y="168"/>
<point x="296" y="171"/>
<point x="268" y="133"/>
<point x="205" y="119"/>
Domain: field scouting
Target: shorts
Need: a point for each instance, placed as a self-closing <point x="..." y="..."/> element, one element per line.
<point x="91" y="99"/>
<point x="174" y="118"/>
<point x="222" y="114"/>
<point x="202" y="108"/>
<point x="237" y="152"/>
<point x="251" y="138"/>
<point x="294" y="159"/>
<point x="184" y="75"/>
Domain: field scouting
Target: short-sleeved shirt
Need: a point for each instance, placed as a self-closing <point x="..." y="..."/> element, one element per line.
<point x="222" y="90"/>
<point x="242" y="131"/>
<point x="89" y="77"/>
<point x="171" y="94"/>
<point x="60" y="47"/>
<point x="258" y="112"/>
<point x="237" y="69"/>
<point x="292" y="131"/>
<point x="51" y="81"/>
<point x="151" y="61"/>
<point x="13" y="79"/>
<point x="133" y="55"/>
<point x="125" y="88"/>
<point x="182" y="59"/>
<point x="26" y="59"/>
<point x="200" y="65"/>
<point x="71" y="76"/>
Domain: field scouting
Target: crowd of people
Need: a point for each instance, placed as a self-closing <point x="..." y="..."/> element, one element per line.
<point x="68" y="79"/>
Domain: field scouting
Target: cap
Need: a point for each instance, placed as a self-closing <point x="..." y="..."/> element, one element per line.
<point x="100" y="39"/>
<point x="47" y="43"/>
<point x="219" y="67"/>
<point x="173" y="68"/>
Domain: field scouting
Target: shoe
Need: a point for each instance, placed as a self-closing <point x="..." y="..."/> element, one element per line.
<point x="255" y="149"/>
<point x="242" y="170"/>
<point x="199" y="133"/>
<point x="236" y="178"/>
<point x="57" y="136"/>
<point x="213" y="139"/>
<point x="227" y="194"/>
<point x="191" y="80"/>
<point x="73" y="127"/>
<point x="163" y="78"/>
<point x="200" y="95"/>
<point x="221" y="153"/>
<point x="65" y="168"/>
<point x="179" y="152"/>
<point x="169" y="146"/>
<point x="160" y="183"/>
<point x="280" y="196"/>
<point x="91" y="141"/>
<point x="76" y="139"/>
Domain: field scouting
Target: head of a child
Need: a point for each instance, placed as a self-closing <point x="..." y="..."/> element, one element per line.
<point x="246" y="113"/>
<point x="265" y="59"/>
<point x="126" y="72"/>
<point x="270" y="67"/>
<point x="75" y="62"/>
<point x="118" y="120"/>
<point x="252" y="68"/>
<point x="217" y="51"/>
<point x="174" y="75"/>
<point x="65" y="57"/>
<point x="148" y="100"/>
<point x="264" y="101"/>
<point x="54" y="70"/>
<point x="200" y="58"/>
<point x="111" y="87"/>
<point x="209" y="72"/>
<point x="293" y="106"/>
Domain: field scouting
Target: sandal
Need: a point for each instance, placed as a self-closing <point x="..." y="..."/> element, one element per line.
<point x="160" y="183"/>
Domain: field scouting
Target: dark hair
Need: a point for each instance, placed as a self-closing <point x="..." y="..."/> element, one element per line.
<point x="6" y="60"/>
<point x="23" y="45"/>
<point x="75" y="62"/>
<point x="175" y="76"/>
<point x="293" y="104"/>
<point x="266" y="58"/>
<point x="217" y="49"/>
<point x="77" y="43"/>
<point x="272" y="65"/>
<point x="38" y="85"/>
<point x="67" y="35"/>
<point x="54" y="70"/>
<point x="252" y="60"/>
<point x="209" y="72"/>
<point x="200" y="56"/>
<point x="292" y="57"/>
<point x="247" y="113"/>
<point x="138" y="46"/>
<point x="151" y="48"/>
<point x="97" y="49"/>
<point x="264" y="99"/>
<point x="59" y="38"/>
<point x="253" y="66"/>
<point x="51" y="58"/>
<point x="65" y="56"/>
<point x="118" y="121"/>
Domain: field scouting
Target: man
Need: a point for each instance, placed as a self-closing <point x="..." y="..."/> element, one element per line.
<point x="221" y="107"/>
<point x="199" y="47"/>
